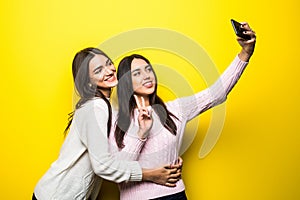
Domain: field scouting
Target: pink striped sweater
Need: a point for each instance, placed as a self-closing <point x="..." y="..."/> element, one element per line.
<point x="162" y="147"/>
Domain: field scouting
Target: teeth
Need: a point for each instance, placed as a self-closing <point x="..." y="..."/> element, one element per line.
<point x="147" y="84"/>
<point x="109" y="78"/>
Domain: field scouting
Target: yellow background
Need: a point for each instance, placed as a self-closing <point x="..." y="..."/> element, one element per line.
<point x="257" y="155"/>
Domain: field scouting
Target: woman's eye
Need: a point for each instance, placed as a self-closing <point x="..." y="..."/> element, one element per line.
<point x="98" y="71"/>
<point x="149" y="69"/>
<point x="136" y="74"/>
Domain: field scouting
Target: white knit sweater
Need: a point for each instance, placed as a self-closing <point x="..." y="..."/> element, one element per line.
<point x="84" y="158"/>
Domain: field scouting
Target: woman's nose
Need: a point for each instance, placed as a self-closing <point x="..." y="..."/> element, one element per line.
<point x="109" y="69"/>
<point x="146" y="75"/>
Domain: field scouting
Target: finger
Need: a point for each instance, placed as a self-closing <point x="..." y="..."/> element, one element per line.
<point x="144" y="114"/>
<point x="180" y="161"/>
<point x="137" y="101"/>
<point x="167" y="167"/>
<point x="252" y="34"/>
<point x="245" y="25"/>
<point x="244" y="41"/>
<point x="143" y="101"/>
<point x="170" y="184"/>
<point x="178" y="165"/>
<point x="249" y="32"/>
<point x="247" y="28"/>
<point x="150" y="111"/>
<point x="143" y="109"/>
<point x="175" y="175"/>
<point x="172" y="180"/>
<point x="252" y="40"/>
<point x="173" y="170"/>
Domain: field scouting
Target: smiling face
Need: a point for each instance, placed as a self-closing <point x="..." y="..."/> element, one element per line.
<point x="102" y="73"/>
<point x="143" y="78"/>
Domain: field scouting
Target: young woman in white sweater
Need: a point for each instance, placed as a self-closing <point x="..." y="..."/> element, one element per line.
<point x="84" y="158"/>
<point x="137" y="94"/>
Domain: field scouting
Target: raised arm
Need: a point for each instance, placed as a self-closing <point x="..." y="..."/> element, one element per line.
<point x="190" y="107"/>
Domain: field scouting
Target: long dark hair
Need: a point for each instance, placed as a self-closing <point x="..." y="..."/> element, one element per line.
<point x="84" y="88"/>
<point x="127" y="103"/>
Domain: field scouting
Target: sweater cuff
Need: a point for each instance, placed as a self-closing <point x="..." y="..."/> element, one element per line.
<point x="136" y="171"/>
<point x="238" y="60"/>
<point x="240" y="65"/>
<point x="136" y="143"/>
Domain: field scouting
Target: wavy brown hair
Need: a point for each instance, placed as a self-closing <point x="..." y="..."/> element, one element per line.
<point x="81" y="76"/>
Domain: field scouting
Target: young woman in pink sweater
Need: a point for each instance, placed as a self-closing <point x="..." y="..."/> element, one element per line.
<point x="136" y="91"/>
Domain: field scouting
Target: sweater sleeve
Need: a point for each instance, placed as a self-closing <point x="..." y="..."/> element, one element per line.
<point x="92" y="129"/>
<point x="133" y="144"/>
<point x="191" y="106"/>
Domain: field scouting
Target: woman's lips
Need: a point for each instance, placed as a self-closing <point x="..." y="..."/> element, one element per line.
<point x="148" y="84"/>
<point x="110" y="78"/>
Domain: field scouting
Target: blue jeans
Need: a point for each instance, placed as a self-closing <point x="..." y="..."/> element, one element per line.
<point x="33" y="197"/>
<point x="177" y="196"/>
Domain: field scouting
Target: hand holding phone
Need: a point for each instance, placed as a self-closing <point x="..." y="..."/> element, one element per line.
<point x="239" y="31"/>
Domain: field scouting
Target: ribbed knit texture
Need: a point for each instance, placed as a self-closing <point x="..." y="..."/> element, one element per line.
<point x="84" y="158"/>
<point x="162" y="147"/>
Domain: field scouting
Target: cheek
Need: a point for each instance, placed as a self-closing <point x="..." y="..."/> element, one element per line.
<point x="153" y="78"/>
<point x="135" y="82"/>
<point x="95" y="80"/>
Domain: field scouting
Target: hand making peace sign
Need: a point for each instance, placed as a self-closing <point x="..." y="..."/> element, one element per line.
<point x="144" y="118"/>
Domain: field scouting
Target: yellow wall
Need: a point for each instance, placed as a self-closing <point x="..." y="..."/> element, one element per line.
<point x="257" y="155"/>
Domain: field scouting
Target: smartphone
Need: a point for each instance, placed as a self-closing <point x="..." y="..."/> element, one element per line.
<point x="239" y="30"/>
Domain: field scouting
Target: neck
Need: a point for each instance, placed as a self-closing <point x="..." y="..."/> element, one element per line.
<point x="106" y="92"/>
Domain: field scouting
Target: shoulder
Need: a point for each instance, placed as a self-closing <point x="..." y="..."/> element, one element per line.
<point x="94" y="111"/>
<point x="93" y="105"/>
<point x="96" y="103"/>
<point x="173" y="104"/>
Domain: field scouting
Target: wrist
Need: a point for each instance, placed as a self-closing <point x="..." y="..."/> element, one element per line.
<point x="143" y="134"/>
<point x="244" y="55"/>
<point x="147" y="175"/>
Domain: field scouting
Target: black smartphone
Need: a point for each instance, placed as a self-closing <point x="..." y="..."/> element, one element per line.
<point x="239" y="30"/>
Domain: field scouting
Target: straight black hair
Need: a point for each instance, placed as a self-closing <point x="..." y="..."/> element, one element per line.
<point x="127" y="103"/>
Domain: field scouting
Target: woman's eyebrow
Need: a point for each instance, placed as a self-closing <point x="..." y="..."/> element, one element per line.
<point x="138" y="69"/>
<point x="101" y="66"/>
<point x="107" y="61"/>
